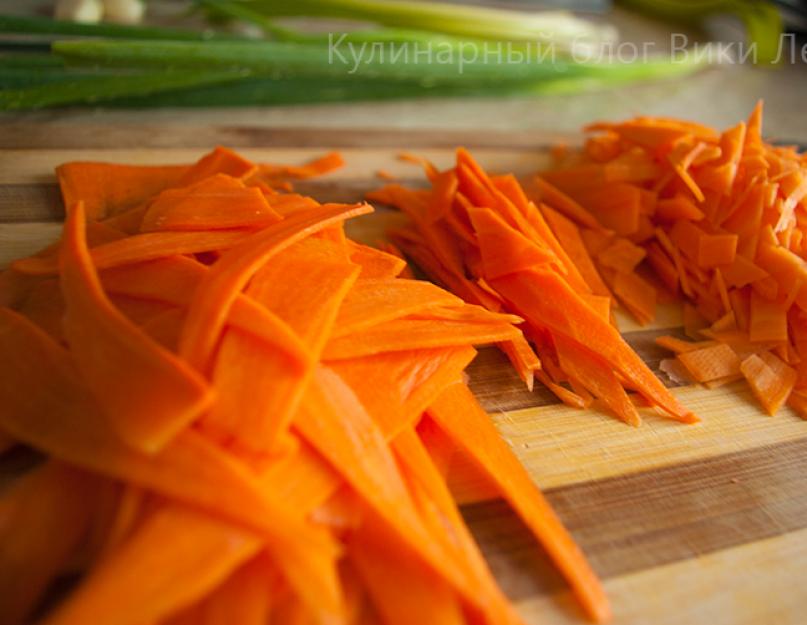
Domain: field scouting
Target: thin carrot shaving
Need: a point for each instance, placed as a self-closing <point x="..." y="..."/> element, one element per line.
<point x="541" y="269"/>
<point x="246" y="414"/>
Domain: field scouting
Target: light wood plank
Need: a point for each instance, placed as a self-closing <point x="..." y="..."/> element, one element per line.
<point x="18" y="240"/>
<point x="562" y="446"/>
<point x="753" y="584"/>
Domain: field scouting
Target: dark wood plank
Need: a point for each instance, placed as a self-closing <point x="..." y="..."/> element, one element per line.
<point x="635" y="522"/>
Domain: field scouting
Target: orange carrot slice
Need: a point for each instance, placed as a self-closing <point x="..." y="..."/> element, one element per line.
<point x="108" y="189"/>
<point x="148" y="393"/>
<point x="36" y="544"/>
<point x="218" y="202"/>
<point x="215" y="295"/>
<point x="460" y="416"/>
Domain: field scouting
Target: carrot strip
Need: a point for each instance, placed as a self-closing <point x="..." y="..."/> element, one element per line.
<point x="140" y="248"/>
<point x="548" y="194"/>
<point x="568" y="235"/>
<point x="544" y="300"/>
<point x="385" y="567"/>
<point x="595" y="375"/>
<point x="35" y="544"/>
<point x="373" y="301"/>
<point x="108" y="189"/>
<point x="160" y="568"/>
<point x="220" y="160"/>
<point x="257" y="391"/>
<point x="189" y="469"/>
<point x="375" y="264"/>
<point x="770" y="379"/>
<point x="148" y="393"/>
<point x="460" y="416"/>
<point x="215" y="295"/>
<point x="357" y="449"/>
<point x="411" y="334"/>
<point x="710" y="363"/>
<point x="218" y="202"/>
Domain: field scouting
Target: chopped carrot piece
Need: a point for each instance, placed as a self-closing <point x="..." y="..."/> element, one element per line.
<point x="710" y="363"/>
<point x="770" y="379"/>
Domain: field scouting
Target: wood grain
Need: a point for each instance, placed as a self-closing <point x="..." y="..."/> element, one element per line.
<point x="688" y="524"/>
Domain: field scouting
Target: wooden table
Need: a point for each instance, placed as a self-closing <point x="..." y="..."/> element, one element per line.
<point x="686" y="524"/>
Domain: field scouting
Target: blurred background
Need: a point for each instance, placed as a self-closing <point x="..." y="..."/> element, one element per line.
<point x="493" y="64"/>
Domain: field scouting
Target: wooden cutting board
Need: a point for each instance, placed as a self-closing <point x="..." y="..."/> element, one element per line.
<point x="686" y="524"/>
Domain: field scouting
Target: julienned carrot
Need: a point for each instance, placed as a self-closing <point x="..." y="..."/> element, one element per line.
<point x="509" y="245"/>
<point x="215" y="295"/>
<point x="460" y="416"/>
<point x="218" y="202"/>
<point x="258" y="391"/>
<point x="107" y="189"/>
<point x="173" y="279"/>
<point x="409" y="334"/>
<point x="373" y="301"/>
<point x="303" y="455"/>
<point x="720" y="218"/>
<point x="414" y="379"/>
<point x="65" y="422"/>
<point x="432" y="494"/>
<point x="37" y="544"/>
<point x="140" y="248"/>
<point x="174" y="557"/>
<point x="148" y="393"/>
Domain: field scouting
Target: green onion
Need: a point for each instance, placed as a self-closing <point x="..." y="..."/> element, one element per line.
<point x="280" y="59"/>
<point x="94" y="89"/>
<point x="32" y="25"/>
<point x="762" y="20"/>
<point x="558" y="28"/>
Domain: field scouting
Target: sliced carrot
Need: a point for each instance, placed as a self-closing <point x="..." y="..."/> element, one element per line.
<point x="214" y="297"/>
<point x="357" y="449"/>
<point x="548" y="194"/>
<point x="140" y="248"/>
<point x="160" y="568"/>
<point x="637" y="294"/>
<point x="622" y="256"/>
<point x="596" y="376"/>
<point x="375" y="263"/>
<point x="36" y="544"/>
<point x="374" y="301"/>
<point x="108" y="189"/>
<point x="678" y="207"/>
<point x="716" y="249"/>
<point x="545" y="300"/>
<point x="569" y="237"/>
<point x="454" y="411"/>
<point x="768" y="321"/>
<point x="258" y="392"/>
<point x="411" y="334"/>
<point x="174" y="279"/>
<point x="770" y="379"/>
<point x="220" y="160"/>
<point x="710" y="363"/>
<point x="680" y="346"/>
<point x="147" y="392"/>
<point x="218" y="202"/>
<point x="188" y="469"/>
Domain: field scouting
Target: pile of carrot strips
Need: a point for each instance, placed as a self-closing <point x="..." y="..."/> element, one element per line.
<point x="246" y="417"/>
<point x="483" y="238"/>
